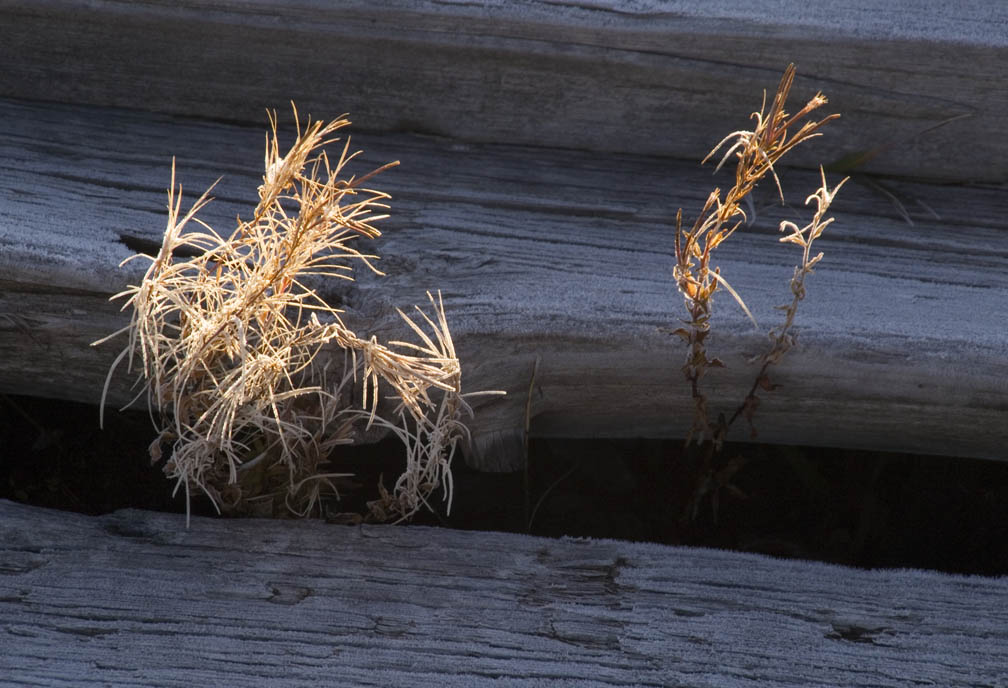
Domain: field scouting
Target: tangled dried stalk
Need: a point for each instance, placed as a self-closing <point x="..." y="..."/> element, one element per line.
<point x="756" y="152"/>
<point x="230" y="343"/>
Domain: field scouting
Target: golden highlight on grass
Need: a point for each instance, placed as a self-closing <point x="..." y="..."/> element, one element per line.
<point x="252" y="371"/>
<point x="775" y="133"/>
<point x="236" y="350"/>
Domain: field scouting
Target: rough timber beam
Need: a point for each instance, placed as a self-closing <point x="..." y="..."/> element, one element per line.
<point x="560" y="255"/>
<point x="921" y="84"/>
<point x="133" y="598"/>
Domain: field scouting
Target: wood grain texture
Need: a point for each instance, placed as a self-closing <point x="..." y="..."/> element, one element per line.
<point x="560" y="255"/>
<point x="133" y="598"/>
<point x="644" y="77"/>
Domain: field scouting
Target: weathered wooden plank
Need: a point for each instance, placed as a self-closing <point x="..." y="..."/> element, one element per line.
<point x="133" y="598"/>
<point x="557" y="254"/>
<point x="644" y="77"/>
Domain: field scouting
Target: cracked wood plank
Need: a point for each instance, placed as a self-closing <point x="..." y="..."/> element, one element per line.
<point x="133" y="598"/>
<point x="561" y="255"/>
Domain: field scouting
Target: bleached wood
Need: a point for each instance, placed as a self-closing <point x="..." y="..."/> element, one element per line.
<point x="647" y="77"/>
<point x="560" y="255"/>
<point x="133" y="598"/>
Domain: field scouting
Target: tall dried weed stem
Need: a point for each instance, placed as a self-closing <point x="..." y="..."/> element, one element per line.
<point x="236" y="349"/>
<point x="776" y="132"/>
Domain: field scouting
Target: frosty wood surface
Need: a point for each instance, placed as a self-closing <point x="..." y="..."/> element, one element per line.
<point x="560" y="255"/>
<point x="133" y="598"/>
<point x="648" y="76"/>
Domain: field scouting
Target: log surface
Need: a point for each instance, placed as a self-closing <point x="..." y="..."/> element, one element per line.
<point x="133" y="598"/>
<point x="560" y="255"/>
<point x="920" y="83"/>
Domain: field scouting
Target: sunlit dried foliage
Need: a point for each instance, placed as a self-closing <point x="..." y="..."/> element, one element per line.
<point x="251" y="370"/>
<point x="757" y="151"/>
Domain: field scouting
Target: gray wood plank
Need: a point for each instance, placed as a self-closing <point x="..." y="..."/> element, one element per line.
<point x="560" y="255"/>
<point x="645" y="77"/>
<point x="135" y="599"/>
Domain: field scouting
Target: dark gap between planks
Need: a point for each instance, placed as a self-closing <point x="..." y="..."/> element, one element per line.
<point x="864" y="509"/>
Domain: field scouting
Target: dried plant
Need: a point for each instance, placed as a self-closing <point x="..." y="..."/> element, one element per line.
<point x="235" y="347"/>
<point x="776" y="132"/>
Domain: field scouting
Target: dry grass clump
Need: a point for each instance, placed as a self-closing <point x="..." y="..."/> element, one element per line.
<point x="236" y="350"/>
<point x="776" y="132"/>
